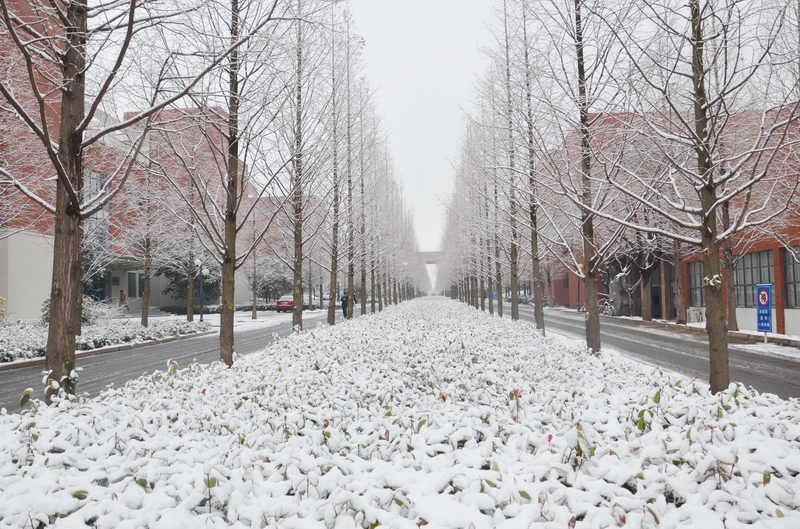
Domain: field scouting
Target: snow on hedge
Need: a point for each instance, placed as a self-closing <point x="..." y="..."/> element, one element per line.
<point x="430" y="413"/>
<point x="28" y="339"/>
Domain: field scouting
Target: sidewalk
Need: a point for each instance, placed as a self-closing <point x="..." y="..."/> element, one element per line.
<point x="744" y="335"/>
<point x="8" y="366"/>
<point x="242" y="321"/>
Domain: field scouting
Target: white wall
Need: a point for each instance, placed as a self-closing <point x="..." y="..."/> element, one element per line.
<point x="26" y="272"/>
<point x="746" y="318"/>
<point x="792" y="321"/>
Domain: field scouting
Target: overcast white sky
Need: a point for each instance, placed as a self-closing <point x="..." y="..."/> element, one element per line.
<point x="423" y="58"/>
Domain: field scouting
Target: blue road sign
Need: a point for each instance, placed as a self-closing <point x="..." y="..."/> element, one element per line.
<point x="764" y="307"/>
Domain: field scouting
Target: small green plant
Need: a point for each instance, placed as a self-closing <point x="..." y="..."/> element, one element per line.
<point x="210" y="483"/>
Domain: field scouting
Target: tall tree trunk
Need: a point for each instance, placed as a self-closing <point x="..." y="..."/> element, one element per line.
<point x="334" y="278"/>
<point x="229" y="257"/>
<point x="482" y="290"/>
<point x="730" y="271"/>
<point x="297" y="187"/>
<point x="536" y="270"/>
<point x="498" y="279"/>
<point x="363" y="289"/>
<point x="680" y="285"/>
<point x="645" y="287"/>
<point x="363" y="217"/>
<point x="254" y="284"/>
<point x="66" y="295"/>
<point x="372" y="287"/>
<point x="715" y="310"/>
<point x="512" y="195"/>
<point x="351" y="269"/>
<point x="332" y="296"/>
<point x="190" y="289"/>
<point x="310" y="289"/>
<point x="148" y="273"/>
<point x="587" y="224"/>
<point x="489" y="281"/>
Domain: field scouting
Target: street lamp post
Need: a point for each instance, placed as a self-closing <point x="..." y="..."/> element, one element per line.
<point x="204" y="274"/>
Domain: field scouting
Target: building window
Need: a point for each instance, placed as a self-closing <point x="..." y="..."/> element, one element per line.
<point x="132" y="285"/>
<point x="696" y="294"/>
<point x="97" y="228"/>
<point x="792" y="277"/>
<point x="566" y="280"/>
<point x="753" y="269"/>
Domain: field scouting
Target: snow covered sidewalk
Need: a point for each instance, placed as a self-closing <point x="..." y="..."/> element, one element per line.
<point x="430" y="413"/>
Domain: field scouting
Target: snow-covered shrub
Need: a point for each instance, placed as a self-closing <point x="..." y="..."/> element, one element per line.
<point x="22" y="339"/>
<point x="430" y="414"/>
<point x="28" y="339"/>
<point x="88" y="311"/>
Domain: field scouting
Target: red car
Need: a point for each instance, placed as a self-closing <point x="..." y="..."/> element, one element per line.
<point x="285" y="303"/>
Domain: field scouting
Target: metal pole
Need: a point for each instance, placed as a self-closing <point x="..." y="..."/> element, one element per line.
<point x="202" y="277"/>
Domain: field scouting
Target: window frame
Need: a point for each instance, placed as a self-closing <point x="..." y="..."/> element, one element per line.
<point x="791" y="278"/>
<point x="697" y="295"/>
<point x="754" y="268"/>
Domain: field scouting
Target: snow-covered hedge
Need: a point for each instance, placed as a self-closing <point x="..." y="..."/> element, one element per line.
<point x="28" y="339"/>
<point x="430" y="413"/>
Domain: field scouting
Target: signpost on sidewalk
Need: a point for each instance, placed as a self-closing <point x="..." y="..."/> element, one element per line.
<point x="764" y="309"/>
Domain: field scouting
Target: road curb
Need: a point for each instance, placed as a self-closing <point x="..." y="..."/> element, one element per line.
<point x="8" y="366"/>
<point x="741" y="336"/>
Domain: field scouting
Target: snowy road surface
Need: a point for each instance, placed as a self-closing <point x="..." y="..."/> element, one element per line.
<point x="119" y="367"/>
<point x="684" y="352"/>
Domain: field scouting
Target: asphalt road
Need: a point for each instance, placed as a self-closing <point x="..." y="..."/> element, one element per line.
<point x="100" y="371"/>
<point x="685" y="352"/>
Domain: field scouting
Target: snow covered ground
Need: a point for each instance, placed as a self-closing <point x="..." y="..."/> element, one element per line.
<point x="28" y="339"/>
<point x="430" y="413"/>
<point x="766" y="349"/>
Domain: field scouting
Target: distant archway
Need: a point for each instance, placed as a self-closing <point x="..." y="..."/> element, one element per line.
<point x="431" y="260"/>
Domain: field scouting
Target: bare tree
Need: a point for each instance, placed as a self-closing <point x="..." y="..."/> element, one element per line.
<point x="719" y="96"/>
<point x="76" y="56"/>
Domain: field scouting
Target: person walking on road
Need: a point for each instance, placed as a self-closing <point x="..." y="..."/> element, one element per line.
<point x="344" y="304"/>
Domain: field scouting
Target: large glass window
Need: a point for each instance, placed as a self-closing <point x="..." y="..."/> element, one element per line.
<point x="97" y="228"/>
<point x="753" y="269"/>
<point x="132" y="284"/>
<point x="696" y="294"/>
<point x="792" y="266"/>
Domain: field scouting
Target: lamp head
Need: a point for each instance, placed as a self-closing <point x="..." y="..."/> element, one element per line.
<point x="197" y="263"/>
<point x="205" y="272"/>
